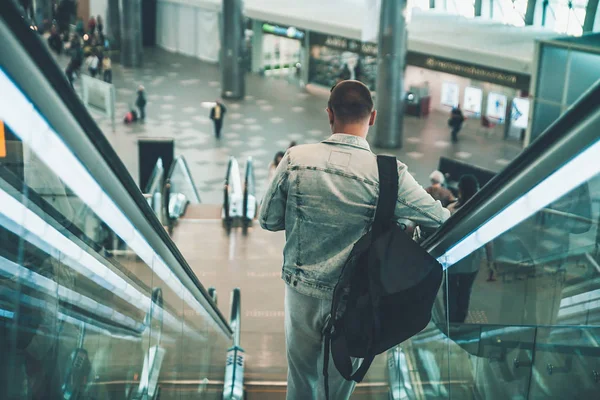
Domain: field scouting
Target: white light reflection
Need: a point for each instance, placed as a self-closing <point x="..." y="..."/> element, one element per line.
<point x="577" y="171"/>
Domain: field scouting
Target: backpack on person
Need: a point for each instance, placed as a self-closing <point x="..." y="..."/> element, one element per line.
<point x="385" y="292"/>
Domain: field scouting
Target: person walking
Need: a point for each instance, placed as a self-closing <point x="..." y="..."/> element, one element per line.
<point x="140" y="102"/>
<point x="107" y="68"/>
<point x="93" y="62"/>
<point x="217" y="114"/>
<point x="456" y="122"/>
<point x="438" y="191"/>
<point x="324" y="196"/>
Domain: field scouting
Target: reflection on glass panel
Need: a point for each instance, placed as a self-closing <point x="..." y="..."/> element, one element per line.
<point x="583" y="73"/>
<point x="523" y="311"/>
<point x="544" y="115"/>
<point x="553" y="68"/>
<point x="88" y="309"/>
<point x="567" y="361"/>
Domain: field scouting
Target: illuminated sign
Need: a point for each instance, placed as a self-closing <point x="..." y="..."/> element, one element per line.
<point x="2" y="140"/>
<point x="343" y="44"/>
<point x="477" y="72"/>
<point x="290" y="32"/>
<point x="454" y="67"/>
<point x="496" y="107"/>
<point x="520" y="112"/>
<point x="450" y="94"/>
<point x="473" y="99"/>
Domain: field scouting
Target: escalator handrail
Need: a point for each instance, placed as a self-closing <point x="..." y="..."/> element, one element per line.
<point x="560" y="142"/>
<point x="249" y="187"/>
<point x="227" y="191"/>
<point x="188" y="175"/>
<point x="54" y="80"/>
<point x="156" y="178"/>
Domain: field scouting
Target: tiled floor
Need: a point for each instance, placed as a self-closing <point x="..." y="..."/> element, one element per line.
<point x="274" y="113"/>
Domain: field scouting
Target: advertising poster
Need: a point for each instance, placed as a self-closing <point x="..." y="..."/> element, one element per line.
<point x="450" y="94"/>
<point x="496" y="107"/>
<point x="520" y="112"/>
<point x="473" y="99"/>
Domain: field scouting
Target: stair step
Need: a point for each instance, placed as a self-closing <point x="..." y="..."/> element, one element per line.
<point x="202" y="211"/>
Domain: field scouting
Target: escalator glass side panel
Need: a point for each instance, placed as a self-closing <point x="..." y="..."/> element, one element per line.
<point x="529" y="282"/>
<point x="182" y="182"/>
<point x="88" y="307"/>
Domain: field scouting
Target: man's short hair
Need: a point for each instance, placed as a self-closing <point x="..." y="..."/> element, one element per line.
<point x="350" y="101"/>
<point x="437" y="177"/>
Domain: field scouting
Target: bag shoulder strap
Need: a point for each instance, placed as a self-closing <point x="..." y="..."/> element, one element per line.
<point x="387" y="167"/>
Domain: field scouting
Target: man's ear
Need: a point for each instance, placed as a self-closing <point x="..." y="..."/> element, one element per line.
<point x="331" y="116"/>
<point x="373" y="118"/>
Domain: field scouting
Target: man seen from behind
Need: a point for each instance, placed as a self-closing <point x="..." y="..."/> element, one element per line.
<point x="324" y="196"/>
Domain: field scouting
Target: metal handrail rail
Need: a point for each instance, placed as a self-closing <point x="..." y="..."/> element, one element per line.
<point x="156" y="178"/>
<point x="227" y="191"/>
<point x="249" y="186"/>
<point x="47" y="88"/>
<point x="235" y="315"/>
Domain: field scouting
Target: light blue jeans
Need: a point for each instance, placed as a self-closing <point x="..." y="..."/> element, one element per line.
<point x="305" y="318"/>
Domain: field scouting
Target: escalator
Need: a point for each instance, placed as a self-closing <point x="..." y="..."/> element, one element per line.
<point x="98" y="302"/>
<point x="534" y="331"/>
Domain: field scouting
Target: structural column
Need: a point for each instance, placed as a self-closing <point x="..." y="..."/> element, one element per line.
<point x="590" y="15"/>
<point x="390" y="74"/>
<point x="477" y="6"/>
<point x="131" y="33"/>
<point x="530" y="12"/>
<point x="113" y="23"/>
<point x="233" y="76"/>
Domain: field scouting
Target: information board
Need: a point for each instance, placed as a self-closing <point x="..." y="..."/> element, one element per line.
<point x="520" y="112"/>
<point x="496" y="107"/>
<point x="450" y="94"/>
<point x="472" y="101"/>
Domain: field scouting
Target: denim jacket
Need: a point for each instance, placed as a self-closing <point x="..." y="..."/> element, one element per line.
<point x="324" y="195"/>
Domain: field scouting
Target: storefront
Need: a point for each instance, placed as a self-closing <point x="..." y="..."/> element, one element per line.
<point x="333" y="58"/>
<point x="277" y="50"/>
<point x="490" y="95"/>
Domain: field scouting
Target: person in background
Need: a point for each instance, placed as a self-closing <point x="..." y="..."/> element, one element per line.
<point x="293" y="143"/>
<point x="107" y="68"/>
<point x="461" y="275"/>
<point x="273" y="165"/>
<point x="79" y="29"/>
<point x="217" y="114"/>
<point x="100" y="25"/>
<point x="93" y="62"/>
<point x="92" y="26"/>
<point x="76" y="53"/>
<point x="456" y="122"/>
<point x="438" y="191"/>
<point x="55" y="41"/>
<point x="141" y="101"/>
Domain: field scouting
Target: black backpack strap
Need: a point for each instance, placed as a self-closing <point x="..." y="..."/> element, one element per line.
<point x="387" y="167"/>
